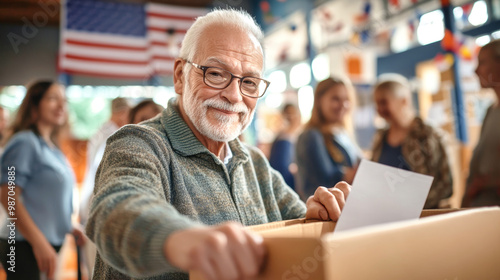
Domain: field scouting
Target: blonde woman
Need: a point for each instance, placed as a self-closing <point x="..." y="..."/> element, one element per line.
<point x="408" y="142"/>
<point x="326" y="152"/>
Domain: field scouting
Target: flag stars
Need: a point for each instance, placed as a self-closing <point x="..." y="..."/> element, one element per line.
<point x="107" y="17"/>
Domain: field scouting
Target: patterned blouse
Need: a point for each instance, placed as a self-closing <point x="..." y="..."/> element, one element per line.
<point x="424" y="152"/>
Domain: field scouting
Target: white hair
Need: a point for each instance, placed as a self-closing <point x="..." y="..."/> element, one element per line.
<point x="397" y="84"/>
<point x="227" y="17"/>
<point x="196" y="109"/>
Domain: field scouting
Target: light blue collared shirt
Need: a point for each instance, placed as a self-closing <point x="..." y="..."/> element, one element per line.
<point x="46" y="180"/>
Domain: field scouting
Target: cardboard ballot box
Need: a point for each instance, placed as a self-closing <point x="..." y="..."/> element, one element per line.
<point x="461" y="245"/>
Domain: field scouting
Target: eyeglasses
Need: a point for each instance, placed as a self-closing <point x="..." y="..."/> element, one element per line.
<point x="219" y="78"/>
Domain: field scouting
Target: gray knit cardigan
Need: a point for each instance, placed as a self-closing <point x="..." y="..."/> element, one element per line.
<point x="156" y="178"/>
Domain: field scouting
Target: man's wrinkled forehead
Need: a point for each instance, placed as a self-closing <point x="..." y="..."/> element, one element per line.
<point x="231" y="41"/>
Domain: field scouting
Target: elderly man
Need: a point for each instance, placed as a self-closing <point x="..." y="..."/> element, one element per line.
<point x="173" y="193"/>
<point x="483" y="184"/>
<point x="120" y="109"/>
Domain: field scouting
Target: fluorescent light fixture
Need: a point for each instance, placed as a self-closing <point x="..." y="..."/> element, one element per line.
<point x="458" y="12"/>
<point x="274" y="100"/>
<point x="431" y="27"/>
<point x="321" y="67"/>
<point x="483" y="40"/>
<point x="478" y="14"/>
<point x="400" y="40"/>
<point x="306" y="101"/>
<point x="278" y="82"/>
<point x="495" y="34"/>
<point x="300" y="75"/>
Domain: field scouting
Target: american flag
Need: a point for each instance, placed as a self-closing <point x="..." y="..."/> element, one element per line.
<point x="122" y="40"/>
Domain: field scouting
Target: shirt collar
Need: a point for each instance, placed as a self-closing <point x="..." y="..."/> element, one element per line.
<point x="228" y="154"/>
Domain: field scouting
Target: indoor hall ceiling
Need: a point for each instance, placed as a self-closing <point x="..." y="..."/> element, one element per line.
<point x="20" y="11"/>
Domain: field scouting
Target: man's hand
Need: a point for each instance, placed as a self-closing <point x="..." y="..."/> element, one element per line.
<point x="327" y="203"/>
<point x="227" y="251"/>
<point x="78" y="235"/>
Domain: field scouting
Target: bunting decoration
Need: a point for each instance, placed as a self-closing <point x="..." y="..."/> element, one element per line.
<point x="365" y="15"/>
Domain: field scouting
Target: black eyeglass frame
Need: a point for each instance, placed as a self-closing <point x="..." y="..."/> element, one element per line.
<point x="205" y="68"/>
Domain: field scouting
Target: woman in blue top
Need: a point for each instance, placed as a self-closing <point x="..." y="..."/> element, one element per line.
<point x="325" y="151"/>
<point x="36" y="186"/>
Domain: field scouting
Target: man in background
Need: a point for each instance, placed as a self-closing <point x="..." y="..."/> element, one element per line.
<point x="120" y="109"/>
<point x="483" y="184"/>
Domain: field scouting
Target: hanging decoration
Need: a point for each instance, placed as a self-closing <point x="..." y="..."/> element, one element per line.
<point x="382" y="37"/>
<point x="326" y="14"/>
<point x="467" y="8"/>
<point x="365" y="14"/>
<point x="394" y="3"/>
<point x="328" y="23"/>
<point x="338" y="27"/>
<point x="465" y="53"/>
<point x="283" y="56"/>
<point x="443" y="61"/>
<point x="266" y="11"/>
<point x="456" y="45"/>
<point x="418" y="14"/>
<point x="355" y="39"/>
<point x="453" y="46"/>
<point x="411" y="29"/>
<point x="467" y="49"/>
<point x="364" y="35"/>
<point x="368" y="7"/>
<point x="361" y="33"/>
<point x="265" y="6"/>
<point x="449" y="42"/>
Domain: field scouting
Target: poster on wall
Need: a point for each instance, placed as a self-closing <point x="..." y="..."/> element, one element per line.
<point x="338" y="22"/>
<point x="287" y="41"/>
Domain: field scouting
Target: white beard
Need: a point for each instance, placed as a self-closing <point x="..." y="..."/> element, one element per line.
<point x="227" y="127"/>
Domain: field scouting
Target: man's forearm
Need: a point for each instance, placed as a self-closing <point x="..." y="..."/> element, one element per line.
<point x="130" y="233"/>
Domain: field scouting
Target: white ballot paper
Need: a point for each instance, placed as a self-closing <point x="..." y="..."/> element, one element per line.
<point x="383" y="194"/>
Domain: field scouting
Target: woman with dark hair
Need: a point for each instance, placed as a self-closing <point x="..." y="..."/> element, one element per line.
<point x="283" y="148"/>
<point x="36" y="185"/>
<point x="326" y="151"/>
<point x="144" y="110"/>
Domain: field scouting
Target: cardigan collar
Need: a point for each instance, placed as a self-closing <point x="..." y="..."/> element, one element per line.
<point x="183" y="139"/>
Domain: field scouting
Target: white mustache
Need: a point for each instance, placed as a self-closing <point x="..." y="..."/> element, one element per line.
<point x="221" y="105"/>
